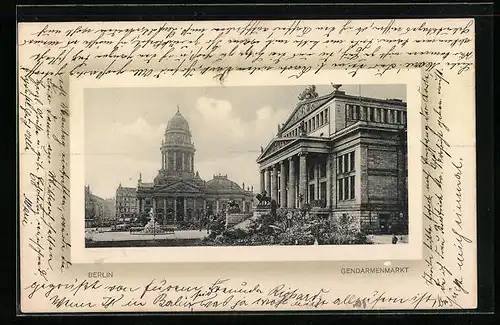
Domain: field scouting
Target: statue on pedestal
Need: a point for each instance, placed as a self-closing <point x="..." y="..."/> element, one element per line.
<point x="150" y="227"/>
<point x="263" y="198"/>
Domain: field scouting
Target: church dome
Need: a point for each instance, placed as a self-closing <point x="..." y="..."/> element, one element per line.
<point x="178" y="123"/>
<point x="221" y="184"/>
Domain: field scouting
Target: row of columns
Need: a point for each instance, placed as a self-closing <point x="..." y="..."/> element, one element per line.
<point x="382" y="115"/>
<point x="269" y="180"/>
<point x="156" y="202"/>
<point x="185" y="157"/>
<point x="164" y="199"/>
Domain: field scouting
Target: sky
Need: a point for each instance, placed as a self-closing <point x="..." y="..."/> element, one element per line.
<point x="124" y="128"/>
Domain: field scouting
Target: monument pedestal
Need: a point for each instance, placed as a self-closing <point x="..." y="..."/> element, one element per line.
<point x="261" y="210"/>
<point x="235" y="218"/>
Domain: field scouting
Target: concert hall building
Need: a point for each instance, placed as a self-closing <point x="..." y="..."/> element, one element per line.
<point x="341" y="155"/>
<point x="178" y="193"/>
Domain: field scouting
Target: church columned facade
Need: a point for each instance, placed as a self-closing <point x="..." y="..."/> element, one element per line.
<point x="341" y="155"/>
<point x="178" y="193"/>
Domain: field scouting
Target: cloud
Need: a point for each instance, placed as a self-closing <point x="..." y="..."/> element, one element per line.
<point x="139" y="128"/>
<point x="240" y="168"/>
<point x="216" y="125"/>
<point x="216" y="119"/>
<point x="225" y="143"/>
<point x="103" y="173"/>
<point x="264" y="113"/>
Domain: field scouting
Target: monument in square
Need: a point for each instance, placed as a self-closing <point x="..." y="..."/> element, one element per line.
<point x="264" y="205"/>
<point x="152" y="227"/>
<point x="234" y="214"/>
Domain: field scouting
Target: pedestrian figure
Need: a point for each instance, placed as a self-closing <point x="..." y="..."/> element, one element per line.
<point x="394" y="239"/>
<point x="289" y="219"/>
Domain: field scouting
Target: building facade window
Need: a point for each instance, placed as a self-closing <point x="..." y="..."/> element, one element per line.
<point x="351" y="161"/>
<point x="323" y="191"/>
<point x="322" y="169"/>
<point x="346" y="172"/>
<point x="351" y="187"/>
<point x="311" y="172"/>
<point x="340" y="187"/>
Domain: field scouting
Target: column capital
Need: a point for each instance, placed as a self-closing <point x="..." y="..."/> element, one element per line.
<point x="282" y="162"/>
<point x="291" y="158"/>
<point x="303" y="154"/>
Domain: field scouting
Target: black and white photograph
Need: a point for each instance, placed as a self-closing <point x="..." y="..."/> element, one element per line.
<point x="302" y="165"/>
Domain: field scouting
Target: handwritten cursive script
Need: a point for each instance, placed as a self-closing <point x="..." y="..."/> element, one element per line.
<point x="50" y="53"/>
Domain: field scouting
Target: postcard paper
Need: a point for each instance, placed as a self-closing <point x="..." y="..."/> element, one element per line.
<point x="247" y="166"/>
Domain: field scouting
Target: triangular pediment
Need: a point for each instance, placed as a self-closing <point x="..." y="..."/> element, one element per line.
<point x="275" y="145"/>
<point x="180" y="187"/>
<point x="305" y="108"/>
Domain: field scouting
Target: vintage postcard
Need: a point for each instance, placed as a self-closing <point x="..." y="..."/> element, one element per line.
<point x="247" y="165"/>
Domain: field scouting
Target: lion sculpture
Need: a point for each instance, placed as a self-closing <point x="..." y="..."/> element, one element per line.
<point x="263" y="198"/>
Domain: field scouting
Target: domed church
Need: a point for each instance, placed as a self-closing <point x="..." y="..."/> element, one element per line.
<point x="178" y="193"/>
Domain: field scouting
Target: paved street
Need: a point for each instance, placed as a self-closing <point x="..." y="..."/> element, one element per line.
<point x="126" y="235"/>
<point x="387" y="239"/>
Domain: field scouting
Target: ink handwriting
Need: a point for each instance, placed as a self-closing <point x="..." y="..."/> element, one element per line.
<point x="49" y="53"/>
